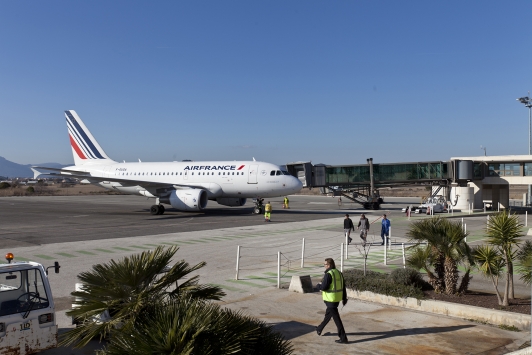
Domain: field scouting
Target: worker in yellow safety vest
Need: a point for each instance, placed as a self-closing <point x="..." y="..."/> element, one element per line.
<point x="285" y="205"/>
<point x="267" y="212"/>
<point x="333" y="291"/>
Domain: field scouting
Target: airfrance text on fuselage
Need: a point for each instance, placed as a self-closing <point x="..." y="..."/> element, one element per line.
<point x="213" y="167"/>
<point x="208" y="167"/>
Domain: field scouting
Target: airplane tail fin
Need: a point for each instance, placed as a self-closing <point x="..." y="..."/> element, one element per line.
<point x="85" y="148"/>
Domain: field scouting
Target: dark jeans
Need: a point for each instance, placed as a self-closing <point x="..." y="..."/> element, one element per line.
<point x="384" y="234"/>
<point x="332" y="311"/>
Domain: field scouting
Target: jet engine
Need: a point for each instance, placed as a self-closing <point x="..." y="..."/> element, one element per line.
<point x="188" y="200"/>
<point x="232" y="202"/>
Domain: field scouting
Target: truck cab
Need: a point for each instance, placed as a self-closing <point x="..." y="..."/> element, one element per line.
<point x="27" y="314"/>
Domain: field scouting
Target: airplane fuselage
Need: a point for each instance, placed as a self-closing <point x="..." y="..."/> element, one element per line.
<point x="221" y="179"/>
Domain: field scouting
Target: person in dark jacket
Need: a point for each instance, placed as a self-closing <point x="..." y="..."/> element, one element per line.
<point x="333" y="291"/>
<point x="363" y="226"/>
<point x="348" y="226"/>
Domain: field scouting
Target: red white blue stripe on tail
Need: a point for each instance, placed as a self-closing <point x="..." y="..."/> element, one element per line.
<point x="84" y="147"/>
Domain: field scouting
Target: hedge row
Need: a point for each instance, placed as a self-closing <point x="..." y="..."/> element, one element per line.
<point x="400" y="283"/>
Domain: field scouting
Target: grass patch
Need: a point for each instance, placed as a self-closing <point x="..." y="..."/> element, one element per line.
<point x="509" y="327"/>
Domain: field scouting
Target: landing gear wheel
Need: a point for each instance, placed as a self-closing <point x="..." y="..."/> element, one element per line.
<point x="154" y="210"/>
<point x="256" y="210"/>
<point x="375" y="206"/>
<point x="380" y="200"/>
<point x="367" y="205"/>
<point x="161" y="209"/>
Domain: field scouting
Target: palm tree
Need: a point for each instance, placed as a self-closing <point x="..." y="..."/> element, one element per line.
<point x="420" y="258"/>
<point x="504" y="231"/>
<point x="189" y="326"/>
<point x="524" y="256"/>
<point x="445" y="249"/>
<point x="490" y="263"/>
<point x="114" y="295"/>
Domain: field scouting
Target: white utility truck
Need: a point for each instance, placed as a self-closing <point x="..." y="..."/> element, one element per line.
<point x="27" y="313"/>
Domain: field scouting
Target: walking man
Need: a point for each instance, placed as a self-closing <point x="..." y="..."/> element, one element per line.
<point x="348" y="226"/>
<point x="333" y="291"/>
<point x="267" y="212"/>
<point x="363" y="226"/>
<point x="385" y="229"/>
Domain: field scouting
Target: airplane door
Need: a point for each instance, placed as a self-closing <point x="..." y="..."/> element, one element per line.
<point x="252" y="174"/>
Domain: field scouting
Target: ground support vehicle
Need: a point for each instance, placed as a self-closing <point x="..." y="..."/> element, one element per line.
<point x="437" y="204"/>
<point x="27" y="314"/>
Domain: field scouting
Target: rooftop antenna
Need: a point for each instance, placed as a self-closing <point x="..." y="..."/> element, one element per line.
<point x="481" y="147"/>
<point x="254" y="159"/>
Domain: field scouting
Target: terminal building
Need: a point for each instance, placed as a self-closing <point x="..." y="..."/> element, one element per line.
<point x="464" y="182"/>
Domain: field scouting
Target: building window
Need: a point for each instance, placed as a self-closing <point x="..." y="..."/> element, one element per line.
<point x="512" y="169"/>
<point x="494" y="169"/>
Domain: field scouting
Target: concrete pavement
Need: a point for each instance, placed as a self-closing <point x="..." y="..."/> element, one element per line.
<point x="371" y="328"/>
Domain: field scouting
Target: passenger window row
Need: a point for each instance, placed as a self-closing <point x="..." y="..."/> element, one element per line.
<point x="181" y="173"/>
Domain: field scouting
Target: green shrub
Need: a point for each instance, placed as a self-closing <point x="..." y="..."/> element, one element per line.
<point x="409" y="277"/>
<point x="30" y="190"/>
<point x="379" y="283"/>
<point x="4" y="185"/>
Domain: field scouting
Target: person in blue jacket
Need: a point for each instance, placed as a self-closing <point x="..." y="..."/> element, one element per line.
<point x="385" y="229"/>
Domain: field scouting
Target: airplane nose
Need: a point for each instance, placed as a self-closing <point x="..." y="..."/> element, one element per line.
<point x="296" y="184"/>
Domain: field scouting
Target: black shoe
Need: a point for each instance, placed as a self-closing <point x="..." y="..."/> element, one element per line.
<point x="382" y="243"/>
<point x="340" y="341"/>
<point x="317" y="331"/>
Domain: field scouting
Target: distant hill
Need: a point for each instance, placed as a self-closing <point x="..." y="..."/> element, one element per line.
<point x="14" y="170"/>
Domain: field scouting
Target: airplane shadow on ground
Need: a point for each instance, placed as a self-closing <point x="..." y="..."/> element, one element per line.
<point x="294" y="329"/>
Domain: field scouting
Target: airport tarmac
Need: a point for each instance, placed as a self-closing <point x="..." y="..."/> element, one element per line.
<point x="82" y="231"/>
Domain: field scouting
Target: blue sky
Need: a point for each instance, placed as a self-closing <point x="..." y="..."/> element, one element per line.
<point x="281" y="81"/>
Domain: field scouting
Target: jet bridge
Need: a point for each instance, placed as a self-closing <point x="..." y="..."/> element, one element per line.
<point x="361" y="183"/>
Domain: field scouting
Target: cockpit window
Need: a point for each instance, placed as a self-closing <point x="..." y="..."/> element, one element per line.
<point x="272" y="173"/>
<point x="279" y="173"/>
<point x="285" y="172"/>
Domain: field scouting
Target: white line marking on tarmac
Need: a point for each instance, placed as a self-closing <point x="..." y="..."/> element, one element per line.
<point x="81" y="215"/>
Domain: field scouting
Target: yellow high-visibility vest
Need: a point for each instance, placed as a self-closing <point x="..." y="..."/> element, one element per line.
<point x="335" y="291"/>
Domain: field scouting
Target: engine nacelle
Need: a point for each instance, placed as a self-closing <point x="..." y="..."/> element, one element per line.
<point x="232" y="202"/>
<point x="188" y="200"/>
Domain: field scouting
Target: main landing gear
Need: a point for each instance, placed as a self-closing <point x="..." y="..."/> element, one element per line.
<point x="157" y="209"/>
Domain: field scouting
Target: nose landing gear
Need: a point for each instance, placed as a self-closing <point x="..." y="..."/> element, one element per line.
<point x="259" y="208"/>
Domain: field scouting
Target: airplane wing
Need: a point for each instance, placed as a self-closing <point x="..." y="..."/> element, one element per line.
<point x="87" y="176"/>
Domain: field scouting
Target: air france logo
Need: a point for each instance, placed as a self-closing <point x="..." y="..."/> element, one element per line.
<point x="214" y="167"/>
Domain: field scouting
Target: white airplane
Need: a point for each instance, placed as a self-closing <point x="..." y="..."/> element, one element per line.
<point x="186" y="186"/>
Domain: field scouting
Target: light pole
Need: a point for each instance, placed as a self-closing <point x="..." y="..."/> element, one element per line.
<point x="528" y="103"/>
<point x="481" y="147"/>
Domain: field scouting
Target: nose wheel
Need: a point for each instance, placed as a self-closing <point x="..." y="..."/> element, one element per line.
<point x="157" y="209"/>
<point x="259" y="206"/>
